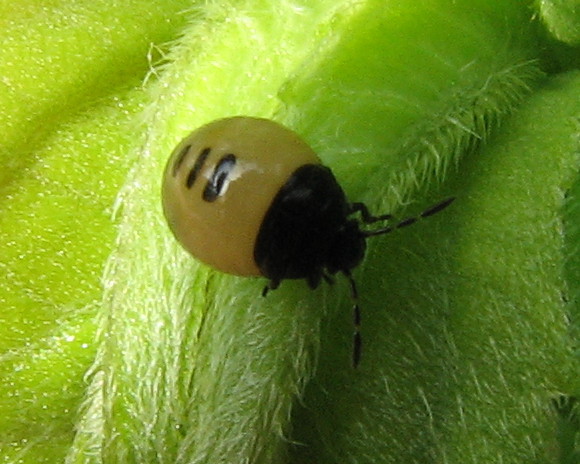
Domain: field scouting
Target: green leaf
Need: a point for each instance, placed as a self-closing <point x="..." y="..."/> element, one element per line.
<point x="470" y="318"/>
<point x="467" y="335"/>
<point x="71" y="74"/>
<point x="562" y="18"/>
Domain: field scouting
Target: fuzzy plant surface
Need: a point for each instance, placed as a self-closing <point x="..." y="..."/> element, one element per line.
<point x="117" y="347"/>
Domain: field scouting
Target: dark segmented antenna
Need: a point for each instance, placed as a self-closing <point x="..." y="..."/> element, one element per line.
<point x="408" y="221"/>
<point x="438" y="207"/>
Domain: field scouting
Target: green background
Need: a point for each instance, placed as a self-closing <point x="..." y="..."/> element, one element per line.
<point x="118" y="347"/>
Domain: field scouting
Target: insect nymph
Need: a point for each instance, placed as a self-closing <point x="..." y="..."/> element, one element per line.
<point x="249" y="197"/>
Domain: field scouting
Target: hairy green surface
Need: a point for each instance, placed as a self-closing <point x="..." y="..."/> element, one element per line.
<point x="467" y="353"/>
<point x="69" y="102"/>
<point x="57" y="232"/>
<point x="562" y="18"/>
<point x="470" y="318"/>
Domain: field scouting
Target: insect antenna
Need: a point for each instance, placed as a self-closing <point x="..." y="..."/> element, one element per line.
<point x="408" y="221"/>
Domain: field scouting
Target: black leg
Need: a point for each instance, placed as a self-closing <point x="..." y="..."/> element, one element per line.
<point x="381" y="231"/>
<point x="328" y="278"/>
<point x="365" y="214"/>
<point x="314" y="279"/>
<point x="356" y="339"/>
<point x="272" y="285"/>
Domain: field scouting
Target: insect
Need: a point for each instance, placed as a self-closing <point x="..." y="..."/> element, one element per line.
<point x="249" y="197"/>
